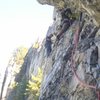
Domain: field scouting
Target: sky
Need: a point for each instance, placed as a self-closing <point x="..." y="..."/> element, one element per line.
<point x="21" y="23"/>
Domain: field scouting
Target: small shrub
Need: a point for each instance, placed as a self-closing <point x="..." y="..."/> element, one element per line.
<point x="33" y="86"/>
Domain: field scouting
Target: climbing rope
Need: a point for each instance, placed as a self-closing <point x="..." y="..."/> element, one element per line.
<point x="76" y="38"/>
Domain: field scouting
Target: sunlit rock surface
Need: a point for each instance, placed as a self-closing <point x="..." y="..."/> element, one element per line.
<point x="92" y="7"/>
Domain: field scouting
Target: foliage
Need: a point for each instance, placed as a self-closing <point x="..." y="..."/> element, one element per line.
<point x="20" y="90"/>
<point x="19" y="58"/>
<point x="33" y="86"/>
<point x="25" y="89"/>
<point x="13" y="84"/>
<point x="36" y="44"/>
<point x="20" y="54"/>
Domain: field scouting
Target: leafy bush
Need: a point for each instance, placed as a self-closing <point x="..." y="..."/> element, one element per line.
<point x="33" y="86"/>
<point x="20" y="55"/>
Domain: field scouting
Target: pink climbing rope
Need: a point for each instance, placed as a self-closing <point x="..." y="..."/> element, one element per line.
<point x="76" y="38"/>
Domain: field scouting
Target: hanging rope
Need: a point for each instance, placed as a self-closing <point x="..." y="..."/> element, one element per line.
<point x="98" y="93"/>
<point x="76" y="38"/>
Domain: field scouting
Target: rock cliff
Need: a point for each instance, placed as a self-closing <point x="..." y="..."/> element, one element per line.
<point x="72" y="71"/>
<point x="92" y="7"/>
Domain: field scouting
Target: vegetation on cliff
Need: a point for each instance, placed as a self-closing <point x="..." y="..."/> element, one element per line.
<point x="33" y="86"/>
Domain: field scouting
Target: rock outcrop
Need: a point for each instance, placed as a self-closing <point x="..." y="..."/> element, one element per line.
<point x="92" y="7"/>
<point x="61" y="81"/>
<point x="72" y="71"/>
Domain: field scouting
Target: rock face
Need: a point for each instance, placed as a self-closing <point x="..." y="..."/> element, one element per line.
<point x="72" y="71"/>
<point x="92" y="7"/>
<point x="60" y="81"/>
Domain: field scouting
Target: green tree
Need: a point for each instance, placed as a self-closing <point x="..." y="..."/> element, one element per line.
<point x="20" y="54"/>
<point x="20" y="89"/>
<point x="33" y="86"/>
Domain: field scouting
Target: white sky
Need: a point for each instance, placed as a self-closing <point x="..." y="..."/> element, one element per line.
<point x="21" y="23"/>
